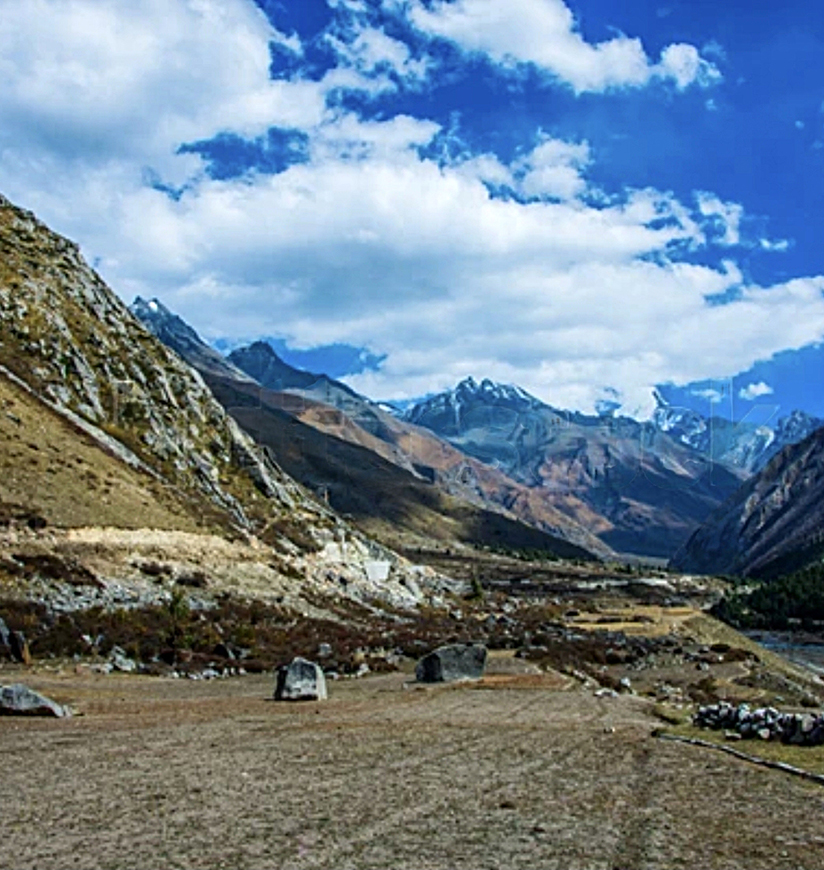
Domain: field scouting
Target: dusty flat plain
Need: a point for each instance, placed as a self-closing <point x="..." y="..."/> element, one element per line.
<point x="522" y="772"/>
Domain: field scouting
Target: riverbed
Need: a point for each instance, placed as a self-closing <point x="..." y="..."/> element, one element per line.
<point x="803" y="648"/>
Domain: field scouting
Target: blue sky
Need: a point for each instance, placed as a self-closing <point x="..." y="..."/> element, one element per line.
<point x="584" y="198"/>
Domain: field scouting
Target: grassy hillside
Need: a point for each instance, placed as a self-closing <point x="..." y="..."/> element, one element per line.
<point x="51" y="469"/>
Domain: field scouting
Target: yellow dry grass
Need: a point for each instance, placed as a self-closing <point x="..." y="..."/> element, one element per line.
<point x="59" y="472"/>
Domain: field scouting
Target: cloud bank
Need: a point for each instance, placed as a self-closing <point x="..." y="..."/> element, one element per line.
<point x="446" y="263"/>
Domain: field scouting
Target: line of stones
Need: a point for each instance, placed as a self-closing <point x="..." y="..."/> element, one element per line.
<point x="763" y="723"/>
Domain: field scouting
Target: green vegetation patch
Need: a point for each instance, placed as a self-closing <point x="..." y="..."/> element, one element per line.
<point x="791" y="601"/>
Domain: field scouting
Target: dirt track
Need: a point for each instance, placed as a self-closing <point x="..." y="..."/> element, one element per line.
<point x="521" y="774"/>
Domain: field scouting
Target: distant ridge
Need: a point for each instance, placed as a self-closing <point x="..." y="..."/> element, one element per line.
<point x="175" y="333"/>
<point x="774" y="524"/>
<point x="392" y="477"/>
<point x="260" y="362"/>
<point x="650" y="491"/>
<point x="738" y="445"/>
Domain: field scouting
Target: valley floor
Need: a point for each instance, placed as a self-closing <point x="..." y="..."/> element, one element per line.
<point x="525" y="770"/>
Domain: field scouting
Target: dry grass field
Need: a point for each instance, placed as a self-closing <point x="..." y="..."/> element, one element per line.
<point x="523" y="770"/>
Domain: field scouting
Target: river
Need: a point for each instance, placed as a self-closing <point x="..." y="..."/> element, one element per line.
<point x="797" y="646"/>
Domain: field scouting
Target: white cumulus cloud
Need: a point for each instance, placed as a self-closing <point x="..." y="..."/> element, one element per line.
<point x="726" y="217"/>
<point x="545" y="33"/>
<point x="370" y="51"/>
<point x="554" y="169"/>
<point x="754" y="391"/>
<point x="369" y="241"/>
<point x="120" y="78"/>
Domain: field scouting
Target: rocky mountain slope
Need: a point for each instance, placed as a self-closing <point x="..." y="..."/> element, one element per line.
<point x="68" y="339"/>
<point x="773" y="524"/>
<point x="105" y="426"/>
<point x="394" y="479"/>
<point x="650" y="491"/>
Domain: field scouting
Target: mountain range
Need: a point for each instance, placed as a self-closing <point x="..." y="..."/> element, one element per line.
<point x="192" y="440"/>
<point x="640" y="487"/>
<point x="648" y="489"/>
<point x="398" y="482"/>
<point x="737" y="445"/>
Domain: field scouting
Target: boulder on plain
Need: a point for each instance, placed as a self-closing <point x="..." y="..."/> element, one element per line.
<point x="300" y="680"/>
<point x="446" y="664"/>
<point x="20" y="700"/>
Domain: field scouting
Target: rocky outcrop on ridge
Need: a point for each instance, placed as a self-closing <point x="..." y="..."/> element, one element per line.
<point x="774" y="524"/>
<point x="66" y="338"/>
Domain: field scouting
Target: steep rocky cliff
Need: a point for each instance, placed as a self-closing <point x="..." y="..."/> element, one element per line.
<point x="68" y="340"/>
<point x="773" y="524"/>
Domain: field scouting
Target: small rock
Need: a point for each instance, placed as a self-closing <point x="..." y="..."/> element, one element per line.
<point x="121" y="662"/>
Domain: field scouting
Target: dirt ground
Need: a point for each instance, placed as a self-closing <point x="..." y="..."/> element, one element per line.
<point x="521" y="771"/>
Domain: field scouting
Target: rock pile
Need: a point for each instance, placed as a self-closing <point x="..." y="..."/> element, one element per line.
<point x="764" y="723"/>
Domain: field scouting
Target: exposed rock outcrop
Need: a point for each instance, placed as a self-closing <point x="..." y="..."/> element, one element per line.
<point x="773" y="524"/>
